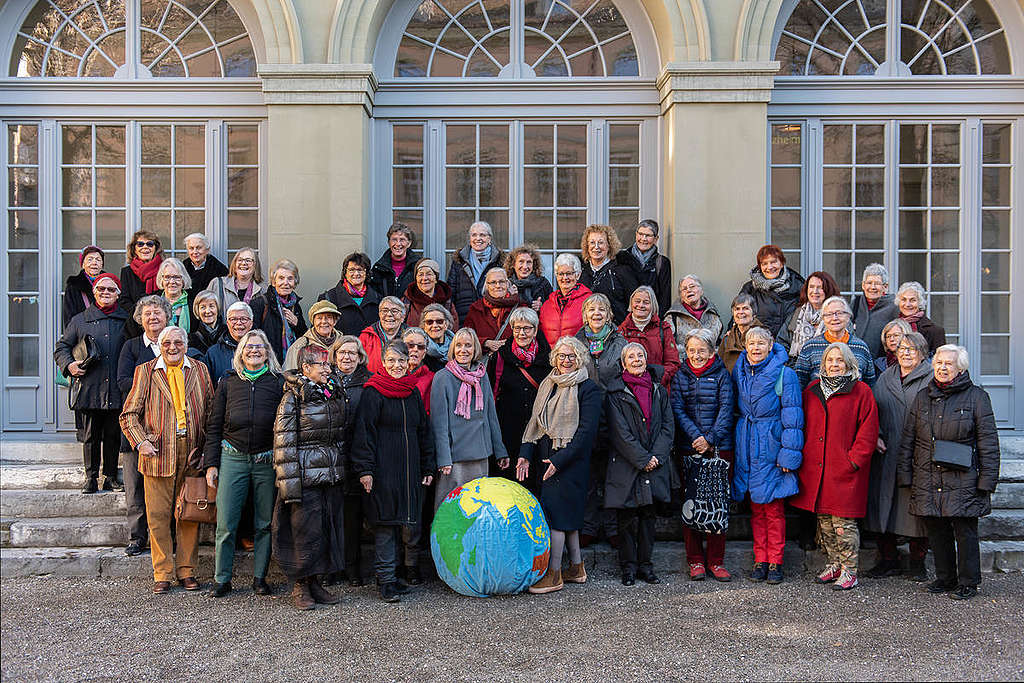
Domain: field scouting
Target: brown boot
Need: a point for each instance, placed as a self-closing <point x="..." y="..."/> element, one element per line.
<point x="321" y="594"/>
<point x="301" y="597"/>
<point x="549" y="583"/>
<point x="576" y="573"/>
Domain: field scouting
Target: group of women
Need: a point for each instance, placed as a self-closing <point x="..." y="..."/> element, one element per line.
<point x="583" y="392"/>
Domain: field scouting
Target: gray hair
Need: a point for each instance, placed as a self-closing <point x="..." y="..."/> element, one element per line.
<point x="404" y="229"/>
<point x="436" y="308"/>
<point x="394" y="301"/>
<point x="919" y="342"/>
<point x="876" y="269"/>
<point x="197" y="236"/>
<point x="332" y="352"/>
<point x="690" y="276"/>
<point x="702" y="334"/>
<point x="570" y="260"/>
<point x="483" y="224"/>
<point x="851" y="361"/>
<point x="285" y="264"/>
<point x="203" y="296"/>
<point x="524" y="314"/>
<point x="578" y="349"/>
<point x="594" y="300"/>
<point x="478" y="350"/>
<point x="838" y="300"/>
<point x="628" y="347"/>
<point x="743" y="298"/>
<point x="398" y="348"/>
<point x="151" y="300"/>
<point x="649" y="291"/>
<point x="495" y="268"/>
<point x="236" y="360"/>
<point x="415" y="330"/>
<point x="759" y="333"/>
<point x="904" y="326"/>
<point x="173" y="329"/>
<point x="917" y="289"/>
<point x="239" y="306"/>
<point x="186" y="281"/>
<point x="962" y="361"/>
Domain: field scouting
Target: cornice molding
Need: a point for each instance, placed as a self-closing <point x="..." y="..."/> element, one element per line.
<point x="332" y="84"/>
<point x="718" y="81"/>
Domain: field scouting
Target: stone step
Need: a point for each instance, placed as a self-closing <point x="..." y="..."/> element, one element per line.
<point x="1011" y="470"/>
<point x="1008" y="496"/>
<point x="68" y="532"/>
<point x="41" y="477"/>
<point x="62" y="451"/>
<point x="1002" y="525"/>
<point x="59" y="503"/>
<point x="1011" y="445"/>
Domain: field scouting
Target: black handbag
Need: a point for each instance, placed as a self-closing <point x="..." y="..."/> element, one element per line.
<point x="952" y="455"/>
<point x="86" y="352"/>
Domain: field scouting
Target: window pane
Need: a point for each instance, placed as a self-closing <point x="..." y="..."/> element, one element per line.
<point x="189" y="145"/>
<point x="836" y="187"/>
<point x="995" y="355"/>
<point x="995" y="313"/>
<point x="461" y="186"/>
<point x="77" y="228"/>
<point x="23" y="314"/>
<point x="243" y="229"/>
<point x="77" y="187"/>
<point x="156" y="187"/>
<point x="23" y="229"/>
<point x="110" y="187"/>
<point x="570" y="226"/>
<point x="870" y="229"/>
<point x="539" y="183"/>
<point x="786" y="143"/>
<point x="110" y="233"/>
<point x="945" y="229"/>
<point x="870" y="186"/>
<point x="539" y="144"/>
<point x="837" y="143"/>
<point x="995" y="272"/>
<point x="995" y="186"/>
<point x="945" y="272"/>
<point x="156" y="144"/>
<point x="494" y="144"/>
<point x="24" y="272"/>
<point x="188" y="186"/>
<point x="22" y="144"/>
<point x="110" y="145"/>
<point x="407" y="144"/>
<point x="786" y="187"/>
<point x="835" y="229"/>
<point x="785" y="229"/>
<point x="408" y="187"/>
<point x="870" y="144"/>
<point x="624" y="186"/>
<point x="572" y="187"/>
<point x="493" y="187"/>
<point x="996" y="141"/>
<point x="243" y="145"/>
<point x="24" y="356"/>
<point x="537" y="229"/>
<point x="460" y="143"/>
<point x="572" y="144"/>
<point x="76" y="144"/>
<point x="243" y="187"/>
<point x="624" y="144"/>
<point x="995" y="229"/>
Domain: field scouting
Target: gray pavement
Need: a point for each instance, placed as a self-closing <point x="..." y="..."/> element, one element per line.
<point x="113" y="628"/>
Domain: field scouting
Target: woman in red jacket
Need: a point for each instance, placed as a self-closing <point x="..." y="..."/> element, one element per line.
<point x="841" y="432"/>
<point x="562" y="314"/>
<point x="644" y="327"/>
<point x="488" y="314"/>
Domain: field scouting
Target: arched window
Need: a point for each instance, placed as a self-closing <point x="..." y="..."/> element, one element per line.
<point x="162" y="38"/>
<point x="518" y="39"/>
<point x="883" y="165"/>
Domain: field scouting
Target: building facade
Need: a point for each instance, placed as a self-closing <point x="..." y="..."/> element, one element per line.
<point x="846" y="131"/>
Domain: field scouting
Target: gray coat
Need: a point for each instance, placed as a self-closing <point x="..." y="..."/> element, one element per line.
<point x="608" y="365"/>
<point x="457" y="439"/>
<point x="681" y="322"/>
<point x="868" y="324"/>
<point x="888" y="504"/>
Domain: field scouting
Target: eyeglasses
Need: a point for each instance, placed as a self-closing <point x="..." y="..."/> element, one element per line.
<point x="245" y="261"/>
<point x="170" y="344"/>
<point x="342" y="352"/>
<point x="390" y="312"/>
<point x="238" y="320"/>
<point x="355" y="270"/>
<point x="147" y="243"/>
<point x="906" y="349"/>
<point x="414" y="345"/>
<point x="565" y="276"/>
<point x="835" y="314"/>
<point x="437" y="321"/>
<point x="566" y="356"/>
<point x="255" y="347"/>
<point x="645" y="234"/>
<point x="107" y="290"/>
<point x="522" y="329"/>
<point x="172" y="278"/>
<point x="320" y="364"/>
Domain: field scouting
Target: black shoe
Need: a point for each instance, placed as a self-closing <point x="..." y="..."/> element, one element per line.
<point x="401" y="587"/>
<point x="389" y="592"/>
<point x="134" y="548"/>
<point x="883" y="569"/>
<point x="648" y="577"/>
<point x="774" y="574"/>
<point x="220" y="589"/>
<point x="938" y="586"/>
<point x="112" y="484"/>
<point x="355" y="580"/>
<point x="413" y="576"/>
<point x="320" y="594"/>
<point x="628" y="579"/>
<point x="964" y="593"/>
<point x="261" y="587"/>
<point x="333" y="579"/>
<point x="917" y="572"/>
<point x="90" y="486"/>
<point x="759" y="573"/>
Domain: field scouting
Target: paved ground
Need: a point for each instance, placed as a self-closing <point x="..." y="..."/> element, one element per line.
<point x="73" y="629"/>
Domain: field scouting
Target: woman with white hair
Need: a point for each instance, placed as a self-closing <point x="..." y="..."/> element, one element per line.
<point x="692" y="310"/>
<point x="470" y="265"/>
<point x="949" y="457"/>
<point x="840" y="435"/>
<point x="562" y="314"/>
<point x="174" y="283"/>
<point x="643" y="326"/>
<point x="202" y="267"/>
<point x="277" y="310"/>
<point x="892" y="334"/>
<point x="207" y="325"/>
<point x="389" y="328"/>
<point x="874" y="307"/>
<point x="911" y="298"/>
<point x="557" y="443"/>
<point x="835" y="315"/>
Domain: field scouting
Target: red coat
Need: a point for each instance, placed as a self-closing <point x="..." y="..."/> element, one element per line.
<point x="557" y="322"/>
<point x="659" y="341"/>
<point x="483" y="322"/>
<point x="374" y="347"/>
<point x="838" y="445"/>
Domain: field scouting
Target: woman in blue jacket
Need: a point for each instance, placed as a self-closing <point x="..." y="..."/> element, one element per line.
<point x="703" y="403"/>
<point x="769" y="444"/>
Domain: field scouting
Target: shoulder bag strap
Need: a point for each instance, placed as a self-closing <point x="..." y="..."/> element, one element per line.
<point x="529" y="378"/>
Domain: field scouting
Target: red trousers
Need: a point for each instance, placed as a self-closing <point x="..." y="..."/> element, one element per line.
<point x="768" y="523"/>
<point x="695" y="547"/>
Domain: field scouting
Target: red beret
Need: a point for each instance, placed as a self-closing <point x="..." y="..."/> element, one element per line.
<point x="107" y="276"/>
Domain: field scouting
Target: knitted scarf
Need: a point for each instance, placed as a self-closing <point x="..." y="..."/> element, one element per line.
<point x="528" y="286"/>
<point x="146" y="271"/>
<point x="391" y="387"/>
<point x="287" y="333"/>
<point x="356" y="294"/>
<point x="698" y="371"/>
<point x="597" y="339"/>
<point x="913" y="319"/>
<point x="478" y="260"/>
<point x="528" y="355"/>
<point x="107" y="310"/>
<point x="698" y="312"/>
<point x="643" y="388"/>
<point x="556" y="411"/>
<point x="778" y="284"/>
<point x="435" y="350"/>
<point x="830" y="385"/>
<point x="179" y="312"/>
<point x="470" y="379"/>
<point x="643" y="256"/>
<point x="641" y="323"/>
<point x="806" y="324"/>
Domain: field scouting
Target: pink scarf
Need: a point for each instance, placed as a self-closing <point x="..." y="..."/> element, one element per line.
<point x="913" y="319"/>
<point x="470" y="382"/>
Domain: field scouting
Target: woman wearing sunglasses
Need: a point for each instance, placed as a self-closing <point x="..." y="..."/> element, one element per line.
<point x="138" y="278"/>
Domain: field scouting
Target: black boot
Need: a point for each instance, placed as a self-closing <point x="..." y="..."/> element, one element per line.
<point x="883" y="568"/>
<point x="260" y="586"/>
<point x="917" y="571"/>
<point x="220" y="589"/>
<point x="90" y="486"/>
<point x="321" y="594"/>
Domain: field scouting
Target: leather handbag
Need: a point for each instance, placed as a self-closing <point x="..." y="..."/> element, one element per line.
<point x="952" y="455"/>
<point x="197" y="500"/>
<point x="85" y="352"/>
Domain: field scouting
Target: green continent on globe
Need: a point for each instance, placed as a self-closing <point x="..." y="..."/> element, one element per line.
<point x="450" y="526"/>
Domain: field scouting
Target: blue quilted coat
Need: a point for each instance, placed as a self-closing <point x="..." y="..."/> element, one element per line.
<point x="769" y="430"/>
<point x="704" y="405"/>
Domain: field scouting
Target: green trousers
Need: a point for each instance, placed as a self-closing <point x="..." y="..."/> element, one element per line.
<point x="236" y="474"/>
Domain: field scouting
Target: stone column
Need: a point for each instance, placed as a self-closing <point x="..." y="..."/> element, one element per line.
<point x="317" y="167"/>
<point x="715" y="142"/>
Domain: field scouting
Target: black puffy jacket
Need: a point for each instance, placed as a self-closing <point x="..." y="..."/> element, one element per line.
<point x="774" y="308"/>
<point x="960" y="412"/>
<point x="607" y="280"/>
<point x="309" y="437"/>
<point x="242" y="413"/>
<point x="97" y="389"/>
<point x="704" y="406"/>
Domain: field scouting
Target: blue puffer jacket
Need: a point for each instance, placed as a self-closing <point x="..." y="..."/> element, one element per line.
<point x="704" y="405"/>
<point x="770" y="429"/>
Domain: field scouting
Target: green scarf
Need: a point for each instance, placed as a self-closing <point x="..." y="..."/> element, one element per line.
<point x="253" y="376"/>
<point x="179" y="311"/>
<point x="597" y="339"/>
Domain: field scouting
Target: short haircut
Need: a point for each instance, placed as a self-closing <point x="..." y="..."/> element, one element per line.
<point x="177" y="265"/>
<point x="851" y="361"/>
<point x="483" y="224"/>
<point x="828" y="284"/>
<point x="415" y="330"/>
<point x="837" y="300"/>
<point x="358" y="258"/>
<point x="510" y="259"/>
<point x="495" y="268"/>
<point x="770" y="250"/>
<point x="286" y="264"/>
<point x="596" y="300"/>
<point x="348" y="339"/>
<point x="702" y="334"/>
<point x="917" y="289"/>
<point x="404" y="229"/>
<point x="311" y="354"/>
<point x="614" y="243"/>
<point x="919" y="343"/>
<point x="743" y="298"/>
<point x="690" y="276"/>
<point x="205" y="295"/>
<point x="151" y="300"/>
<point x="196" y="236"/>
<point x="173" y="329"/>
<point x="394" y="301"/>
<point x="257" y="267"/>
<point x="146" y="235"/>
<point x="649" y="291"/>
<point x="876" y="269"/>
<point x="629" y="347"/>
<point x="578" y="349"/>
<point x="569" y="260"/>
<point x="758" y="333"/>
<point x="960" y="355"/>
<point x="649" y="223"/>
<point x="397" y="346"/>
<point x="524" y="314"/>
<point x="904" y="326"/>
<point x="471" y="334"/>
<point x="236" y="360"/>
<point x="437" y="308"/>
<point x="239" y="306"/>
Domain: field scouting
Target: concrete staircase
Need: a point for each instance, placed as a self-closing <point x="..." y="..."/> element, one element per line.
<point x="47" y="527"/>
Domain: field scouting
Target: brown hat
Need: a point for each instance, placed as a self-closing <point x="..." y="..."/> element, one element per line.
<point x="323" y="307"/>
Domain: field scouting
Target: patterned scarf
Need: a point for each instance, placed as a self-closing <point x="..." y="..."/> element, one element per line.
<point x="830" y="385"/>
<point x="147" y="270"/>
<point x="179" y="312"/>
<point x="913" y="320"/>
<point x="470" y="383"/>
<point x="326" y="390"/>
<point x="556" y="411"/>
<point x="807" y="323"/>
<point x="356" y="294"/>
<point x="760" y="282"/>
<point x="287" y="333"/>
<point x="563" y="299"/>
<point x="597" y="339"/>
<point x="247" y="292"/>
<point x="528" y="355"/>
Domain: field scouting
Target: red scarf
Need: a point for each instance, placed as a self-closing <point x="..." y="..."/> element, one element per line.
<point x="526" y="356"/>
<point x="146" y="271"/>
<point x="107" y="310"/>
<point x="391" y="387"/>
<point x="913" y="319"/>
<point x="643" y="388"/>
<point x="695" y="312"/>
<point x="355" y="293"/>
<point x="702" y="369"/>
<point x="870" y="303"/>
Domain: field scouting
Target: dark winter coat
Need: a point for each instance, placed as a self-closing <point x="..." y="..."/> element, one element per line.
<point x="934" y="334"/>
<point x="769" y="429"/>
<point x="632" y="441"/>
<point x="656" y="274"/>
<point x="201" y="279"/>
<point x="78" y="296"/>
<point x="889" y="504"/>
<point x="460" y="279"/>
<point x="415" y="301"/>
<point x="97" y="389"/>
<point x="486" y="325"/>
<point x="132" y="289"/>
<point x="840" y="436"/>
<point x="218" y="358"/>
<point x="607" y="280"/>
<point x="309" y="438"/>
<point x="608" y="364"/>
<point x="353" y="395"/>
<point x="868" y="323"/>
<point x="659" y="343"/>
<point x="201" y="339"/>
<point x="513" y="393"/>
<point x="536" y="287"/>
<point x="733" y="343"/>
<point x="705" y="405"/>
<point x="562" y="497"/>
<point x="382" y="276"/>
<point x="243" y="414"/>
<point x="354" y="317"/>
<point x="960" y="412"/>
<point x="774" y="308"/>
<point x="682" y="321"/>
<point x="266" y="317"/>
<point x="134" y="353"/>
<point x="393" y="444"/>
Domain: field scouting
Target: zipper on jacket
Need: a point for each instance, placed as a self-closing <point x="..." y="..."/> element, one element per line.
<point x="252" y="415"/>
<point x="408" y="477"/>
